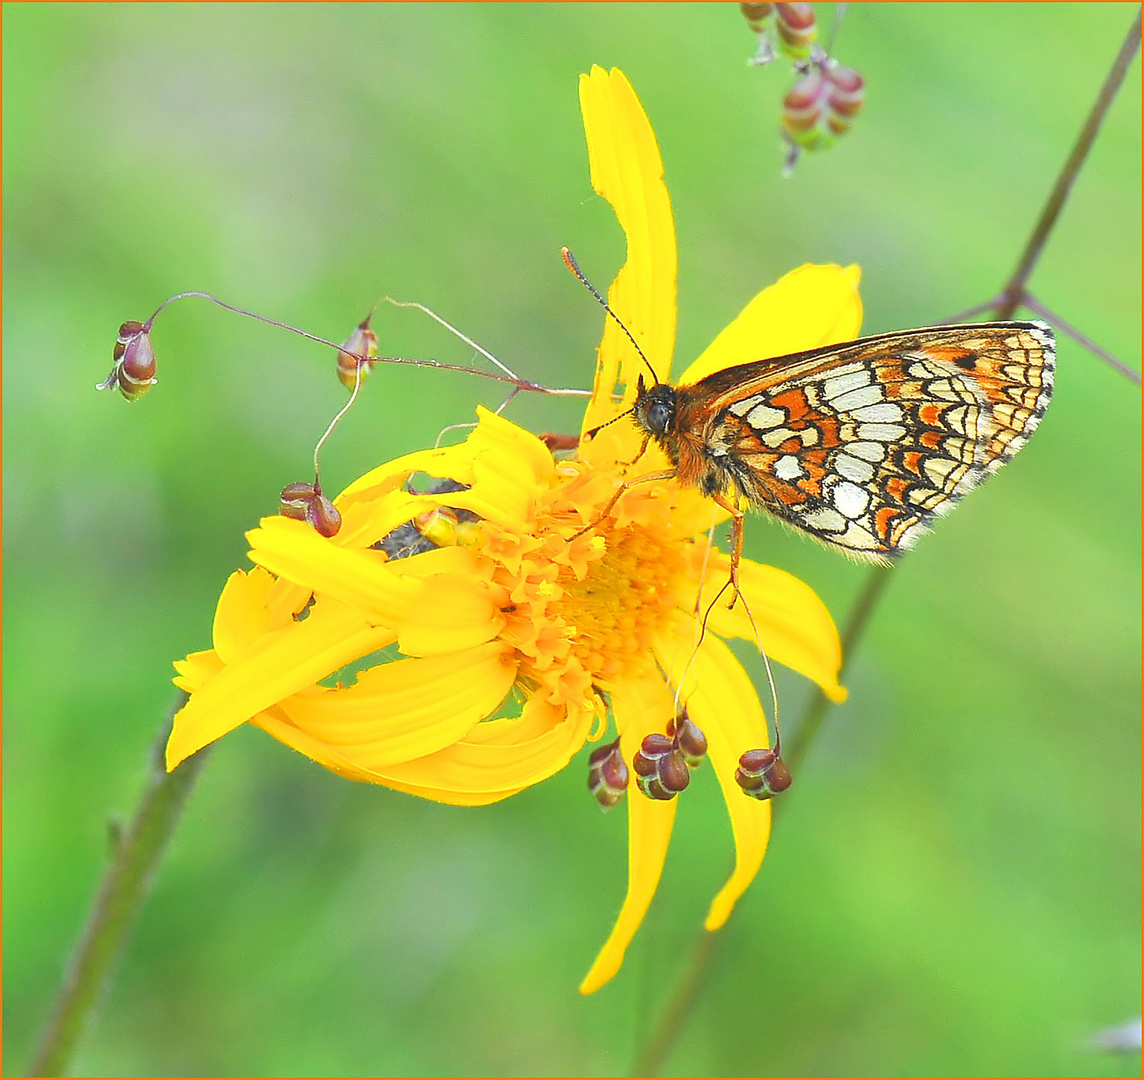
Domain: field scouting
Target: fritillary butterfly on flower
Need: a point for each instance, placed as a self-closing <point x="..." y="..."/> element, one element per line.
<point x="861" y="444"/>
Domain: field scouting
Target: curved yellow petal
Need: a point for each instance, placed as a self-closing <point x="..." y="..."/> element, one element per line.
<point x="794" y="624"/>
<point x="806" y="308"/>
<point x="505" y="465"/>
<point x="726" y="708"/>
<point x="241" y="615"/>
<point x="196" y="669"/>
<point x="627" y="170"/>
<point x="278" y="664"/>
<point x="440" y="613"/>
<point x="407" y="708"/>
<point x="470" y="766"/>
<point x="640" y="707"/>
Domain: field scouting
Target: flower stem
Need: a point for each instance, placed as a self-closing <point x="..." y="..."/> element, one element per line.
<point x="138" y="852"/>
<point x="1014" y="292"/>
<point x="672" y="1019"/>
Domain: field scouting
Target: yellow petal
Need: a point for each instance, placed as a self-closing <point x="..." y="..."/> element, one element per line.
<point x="196" y="669"/>
<point x="505" y="465"/>
<point x="241" y="616"/>
<point x="361" y="579"/>
<point x="278" y="664"/>
<point x="640" y="707"/>
<point x="627" y="170"/>
<point x="795" y="627"/>
<point x="806" y="308"/>
<point x="470" y="772"/>
<point x="726" y="708"/>
<point x="472" y="766"/>
<point x="437" y="614"/>
<point x="407" y="708"/>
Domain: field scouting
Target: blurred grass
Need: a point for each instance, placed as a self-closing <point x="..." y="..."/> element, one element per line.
<point x="954" y="888"/>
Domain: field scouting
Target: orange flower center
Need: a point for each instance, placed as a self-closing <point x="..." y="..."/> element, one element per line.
<point x="614" y="610"/>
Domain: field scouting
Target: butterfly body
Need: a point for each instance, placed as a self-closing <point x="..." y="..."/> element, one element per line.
<point x="861" y="444"/>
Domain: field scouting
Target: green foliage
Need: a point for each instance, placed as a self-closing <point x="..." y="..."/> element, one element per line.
<point x="953" y="887"/>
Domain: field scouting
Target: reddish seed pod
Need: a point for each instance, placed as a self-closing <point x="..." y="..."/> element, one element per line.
<point x="607" y="775"/>
<point x="134" y="371"/>
<point x="822" y="105"/>
<point x="757" y="15"/>
<point x="305" y="502"/>
<point x="361" y="343"/>
<point x="661" y="772"/>
<point x="797" y="30"/>
<point x="689" y="738"/>
<point x="762" y="774"/>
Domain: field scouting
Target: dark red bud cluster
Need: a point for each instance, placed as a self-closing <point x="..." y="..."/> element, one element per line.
<point x="663" y="763"/>
<point x="762" y="774"/>
<point x="691" y="741"/>
<point x="134" y="371"/>
<point x="357" y="351"/>
<point x="821" y="106"/>
<point x="305" y="502"/>
<point x="607" y="775"/>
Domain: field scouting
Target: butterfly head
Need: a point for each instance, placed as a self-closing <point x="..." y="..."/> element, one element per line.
<point x="654" y="409"/>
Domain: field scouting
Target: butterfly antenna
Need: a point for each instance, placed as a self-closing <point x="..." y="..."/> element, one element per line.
<point x="570" y="262"/>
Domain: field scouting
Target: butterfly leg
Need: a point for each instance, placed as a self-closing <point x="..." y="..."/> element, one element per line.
<point x="648" y="479"/>
<point x="737" y="519"/>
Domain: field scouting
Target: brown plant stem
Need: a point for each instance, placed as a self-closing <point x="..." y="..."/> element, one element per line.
<point x="137" y="854"/>
<point x="1014" y="292"/>
<point x="672" y="1019"/>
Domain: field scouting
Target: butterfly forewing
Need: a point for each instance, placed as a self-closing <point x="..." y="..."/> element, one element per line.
<point x="862" y="444"/>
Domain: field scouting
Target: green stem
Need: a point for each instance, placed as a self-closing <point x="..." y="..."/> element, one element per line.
<point x="1014" y="292"/>
<point x="137" y="855"/>
<point x="688" y="989"/>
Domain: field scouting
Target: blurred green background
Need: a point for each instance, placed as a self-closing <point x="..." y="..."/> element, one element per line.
<point x="954" y="884"/>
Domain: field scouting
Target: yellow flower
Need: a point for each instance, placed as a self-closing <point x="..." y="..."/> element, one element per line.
<point x="486" y="662"/>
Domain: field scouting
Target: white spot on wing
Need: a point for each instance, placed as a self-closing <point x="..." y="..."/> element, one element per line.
<point x="825" y="519"/>
<point x="845" y="380"/>
<point x="763" y="417"/>
<point x="850" y="499"/>
<point x="886" y="433"/>
<point x="867" y="451"/>
<point x="788" y="468"/>
<point x="886" y="412"/>
<point x="853" y="468"/>
<point x="856" y="399"/>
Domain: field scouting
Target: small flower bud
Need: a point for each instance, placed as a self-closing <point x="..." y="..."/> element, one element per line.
<point x="797" y="30"/>
<point x="661" y="772"/>
<point x="361" y="343"/>
<point x="689" y="738"/>
<point x="822" y="105"/>
<point x="305" y="502"/>
<point x="134" y="371"/>
<point x="607" y="775"/>
<point x="762" y="774"/>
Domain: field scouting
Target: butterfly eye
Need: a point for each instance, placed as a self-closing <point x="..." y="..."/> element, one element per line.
<point x="659" y="417"/>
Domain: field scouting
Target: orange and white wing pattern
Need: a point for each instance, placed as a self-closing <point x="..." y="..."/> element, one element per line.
<point x="863" y="444"/>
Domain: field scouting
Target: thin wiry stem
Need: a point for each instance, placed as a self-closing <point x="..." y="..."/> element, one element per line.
<point x="1014" y="292"/>
<point x="138" y="852"/>
<point x="671" y="1021"/>
<point x="504" y="376"/>
<point x="1033" y="305"/>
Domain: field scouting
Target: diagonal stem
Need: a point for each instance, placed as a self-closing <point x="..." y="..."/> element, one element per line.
<point x="1014" y="293"/>
<point x="137" y="855"/>
<point x="672" y="1019"/>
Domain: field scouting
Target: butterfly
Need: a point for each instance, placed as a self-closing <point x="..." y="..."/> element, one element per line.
<point x="860" y="445"/>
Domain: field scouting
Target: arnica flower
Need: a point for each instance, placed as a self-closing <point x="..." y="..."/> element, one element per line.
<point x="516" y="625"/>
